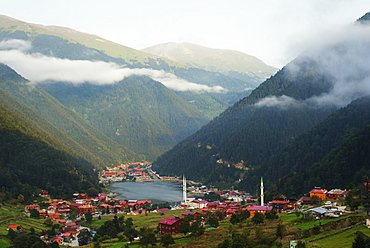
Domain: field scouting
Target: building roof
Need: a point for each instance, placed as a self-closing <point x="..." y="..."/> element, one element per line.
<point x="318" y="191"/>
<point x="189" y="212"/>
<point x="260" y="208"/>
<point x="337" y="192"/>
<point x="13" y="226"/>
<point x="321" y="210"/>
<point x="279" y="202"/>
<point x="169" y="221"/>
<point x="161" y="210"/>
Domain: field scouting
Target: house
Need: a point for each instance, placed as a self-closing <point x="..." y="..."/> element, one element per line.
<point x="169" y="225"/>
<point x="260" y="209"/>
<point x="283" y="205"/>
<point x="336" y="194"/>
<point x="321" y="193"/>
<point x="17" y="228"/>
<point x="186" y="213"/>
<point x="28" y="207"/>
<point x="320" y="212"/>
<point x="59" y="240"/>
<point x="305" y="200"/>
<point x="85" y="209"/>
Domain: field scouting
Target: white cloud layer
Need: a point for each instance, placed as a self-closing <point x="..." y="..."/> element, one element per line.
<point x="38" y="68"/>
<point x="343" y="56"/>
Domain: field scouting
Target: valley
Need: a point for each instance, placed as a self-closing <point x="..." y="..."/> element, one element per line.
<point x="272" y="157"/>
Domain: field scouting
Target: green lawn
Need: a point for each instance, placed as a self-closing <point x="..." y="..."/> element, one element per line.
<point x="4" y="242"/>
<point x="342" y="240"/>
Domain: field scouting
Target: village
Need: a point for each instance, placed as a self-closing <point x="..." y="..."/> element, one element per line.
<point x="319" y="203"/>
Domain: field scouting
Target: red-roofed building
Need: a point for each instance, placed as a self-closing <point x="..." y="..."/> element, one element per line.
<point x="321" y="193"/>
<point x="280" y="205"/>
<point x="85" y="209"/>
<point x="169" y="225"/>
<point x="186" y="213"/>
<point x="336" y="194"/>
<point x="17" y="228"/>
<point x="261" y="209"/>
<point x="59" y="240"/>
<point x="28" y="207"/>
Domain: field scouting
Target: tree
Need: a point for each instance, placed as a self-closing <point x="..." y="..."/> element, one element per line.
<point x="224" y="244"/>
<point x="301" y="244"/>
<point x="20" y="198"/>
<point x="280" y="230"/>
<point x="147" y="237"/>
<point x="34" y="213"/>
<point x="258" y="218"/>
<point x="73" y="215"/>
<point x="213" y="221"/>
<point x="234" y="219"/>
<point x="184" y="226"/>
<point x="84" y="237"/>
<point x="12" y="234"/>
<point x="196" y="229"/>
<point x="167" y="240"/>
<point x="131" y="233"/>
<point x="88" y="217"/>
<point x="361" y="241"/>
<point x="271" y="215"/>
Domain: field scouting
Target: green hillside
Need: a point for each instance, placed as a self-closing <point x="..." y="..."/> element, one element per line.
<point x="228" y="62"/>
<point x="61" y="121"/>
<point x="137" y="112"/>
<point x="248" y="133"/>
<point x="17" y="29"/>
<point x="333" y="154"/>
<point x="28" y="163"/>
<point x="259" y="127"/>
<point x="71" y="44"/>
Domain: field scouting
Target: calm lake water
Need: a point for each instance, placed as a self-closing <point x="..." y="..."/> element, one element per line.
<point x="157" y="192"/>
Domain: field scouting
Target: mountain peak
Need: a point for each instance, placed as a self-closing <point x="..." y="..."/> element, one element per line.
<point x="215" y="60"/>
<point x="365" y="19"/>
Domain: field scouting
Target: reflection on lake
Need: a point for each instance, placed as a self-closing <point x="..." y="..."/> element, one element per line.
<point x="157" y="192"/>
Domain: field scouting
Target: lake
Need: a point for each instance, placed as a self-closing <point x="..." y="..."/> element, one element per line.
<point x="157" y="192"/>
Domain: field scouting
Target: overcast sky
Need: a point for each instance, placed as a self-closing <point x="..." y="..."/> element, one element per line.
<point x="275" y="31"/>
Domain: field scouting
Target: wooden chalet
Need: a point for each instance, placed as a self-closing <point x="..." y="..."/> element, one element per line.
<point x="169" y="225"/>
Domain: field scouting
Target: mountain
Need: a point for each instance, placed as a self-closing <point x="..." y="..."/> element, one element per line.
<point x="319" y="156"/>
<point x="201" y="94"/>
<point x="62" y="123"/>
<point x="228" y="62"/>
<point x="137" y="112"/>
<point x="66" y="43"/>
<point x="27" y="151"/>
<point x="238" y="146"/>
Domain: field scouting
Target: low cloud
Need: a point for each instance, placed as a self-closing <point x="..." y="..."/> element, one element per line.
<point x="38" y="68"/>
<point x="20" y="45"/>
<point x="344" y="57"/>
<point x="282" y="102"/>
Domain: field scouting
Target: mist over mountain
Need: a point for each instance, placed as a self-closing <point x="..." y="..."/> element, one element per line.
<point x="231" y="63"/>
<point x="64" y="60"/>
<point x="238" y="145"/>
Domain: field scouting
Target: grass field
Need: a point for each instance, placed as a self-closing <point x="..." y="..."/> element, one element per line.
<point x="211" y="238"/>
<point x="342" y="240"/>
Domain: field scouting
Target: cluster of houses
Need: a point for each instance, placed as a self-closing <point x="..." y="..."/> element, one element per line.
<point x="132" y="171"/>
<point x="171" y="225"/>
<point x="60" y="211"/>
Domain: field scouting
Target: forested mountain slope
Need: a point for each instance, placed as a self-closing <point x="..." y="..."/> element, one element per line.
<point x="60" y="121"/>
<point x="31" y="159"/>
<point x="312" y="158"/>
<point x="63" y="47"/>
<point x="137" y="112"/>
<point x="66" y="43"/>
<point x="237" y="145"/>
